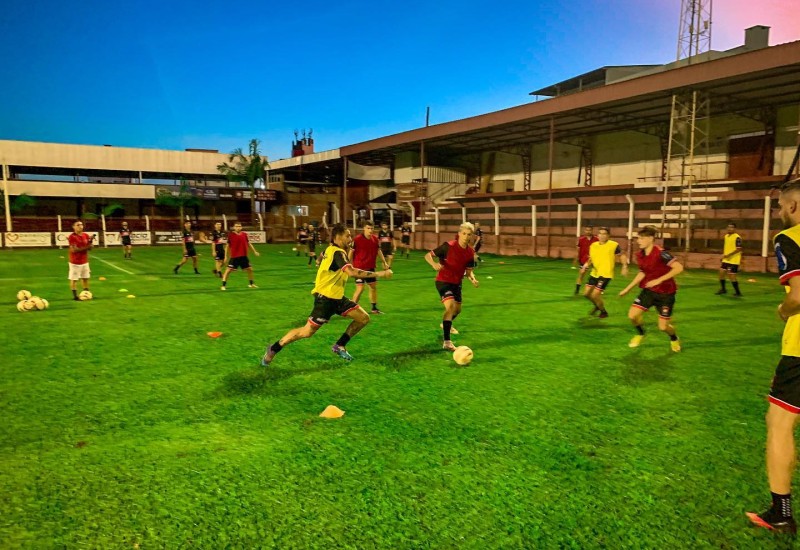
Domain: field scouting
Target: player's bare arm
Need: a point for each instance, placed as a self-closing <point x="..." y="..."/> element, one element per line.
<point x="635" y="282"/>
<point x="364" y="274"/>
<point x="383" y="259"/>
<point x="253" y="248"/>
<point x="472" y="278"/>
<point x="791" y="304"/>
<point x="675" y="268"/>
<point x="433" y="263"/>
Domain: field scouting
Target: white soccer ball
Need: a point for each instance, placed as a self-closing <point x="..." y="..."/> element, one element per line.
<point x="462" y="355"/>
<point x="27" y="304"/>
<point x="294" y="249"/>
<point x="85" y="295"/>
<point x="21" y="306"/>
<point x="37" y="302"/>
<point x="23" y="295"/>
<point x="46" y="303"/>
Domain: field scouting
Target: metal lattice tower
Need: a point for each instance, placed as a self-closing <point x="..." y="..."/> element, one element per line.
<point x="690" y="117"/>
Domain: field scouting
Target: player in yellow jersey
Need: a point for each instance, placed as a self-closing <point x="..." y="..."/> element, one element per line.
<point x="329" y="298"/>
<point x="602" y="257"/>
<point x="731" y="259"/>
<point x="784" y="395"/>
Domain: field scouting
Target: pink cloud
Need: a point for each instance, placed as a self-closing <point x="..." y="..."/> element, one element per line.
<point x="731" y="17"/>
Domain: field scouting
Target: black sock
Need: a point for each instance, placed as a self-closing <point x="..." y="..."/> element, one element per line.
<point x="251" y="281"/>
<point x="673" y="337"/>
<point x="374" y="306"/>
<point x="640" y="329"/>
<point x="276" y="347"/>
<point x="446" y="325"/>
<point x="735" y="285"/>
<point x="309" y="260"/>
<point x="782" y="504"/>
<point x="75" y="293"/>
<point x="224" y="283"/>
<point x="343" y="339"/>
<point x="195" y="270"/>
<point x="722" y="284"/>
<point x="577" y="288"/>
<point x="177" y="267"/>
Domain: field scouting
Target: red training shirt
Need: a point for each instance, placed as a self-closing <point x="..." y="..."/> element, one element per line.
<point x="79" y="241"/>
<point x="455" y="261"/>
<point x="365" y="252"/>
<point x="655" y="265"/>
<point x="238" y="244"/>
<point x="583" y="248"/>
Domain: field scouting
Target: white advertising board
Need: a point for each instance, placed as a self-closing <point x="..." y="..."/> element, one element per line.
<point x="14" y="239"/>
<point x="112" y="238"/>
<point x="257" y="237"/>
<point x="62" y="238"/>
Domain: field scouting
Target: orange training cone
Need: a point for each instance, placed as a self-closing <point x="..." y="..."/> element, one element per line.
<point x="214" y="334"/>
<point x="332" y="411"/>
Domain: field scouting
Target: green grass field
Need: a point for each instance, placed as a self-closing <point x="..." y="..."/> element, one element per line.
<point x="124" y="425"/>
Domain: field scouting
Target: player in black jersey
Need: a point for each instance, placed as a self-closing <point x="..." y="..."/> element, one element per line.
<point x="311" y="242"/>
<point x="302" y="238"/>
<point x="188" y="248"/>
<point x="386" y="240"/>
<point x="405" y="239"/>
<point x="125" y="238"/>
<point x="219" y="239"/>
<point x="478" y="240"/>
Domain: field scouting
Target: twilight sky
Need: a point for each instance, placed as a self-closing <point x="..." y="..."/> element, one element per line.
<point x="198" y="73"/>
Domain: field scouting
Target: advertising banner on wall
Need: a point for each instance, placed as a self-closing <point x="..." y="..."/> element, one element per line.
<point x="62" y="238"/>
<point x="168" y="237"/>
<point x="14" y="240"/>
<point x="257" y="237"/>
<point x="112" y="238"/>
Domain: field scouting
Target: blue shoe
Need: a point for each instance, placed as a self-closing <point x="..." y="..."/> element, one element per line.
<point x="341" y="352"/>
<point x="269" y="355"/>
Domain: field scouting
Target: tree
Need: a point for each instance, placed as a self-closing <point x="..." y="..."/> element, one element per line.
<point x="183" y="199"/>
<point x="107" y="211"/>
<point x="247" y="169"/>
<point x="20" y="202"/>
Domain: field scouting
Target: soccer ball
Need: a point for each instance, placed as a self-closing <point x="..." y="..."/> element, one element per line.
<point x="85" y="295"/>
<point x="23" y="295"/>
<point x="45" y="303"/>
<point x="28" y="305"/>
<point x="462" y="355"/>
<point x="21" y="306"/>
<point x="37" y="302"/>
<point x="294" y="249"/>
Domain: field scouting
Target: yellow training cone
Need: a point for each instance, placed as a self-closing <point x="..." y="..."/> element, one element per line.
<point x="101" y="278"/>
<point x="332" y="411"/>
<point x="751" y="280"/>
<point x="131" y="296"/>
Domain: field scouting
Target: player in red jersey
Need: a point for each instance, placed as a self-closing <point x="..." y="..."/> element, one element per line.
<point x="236" y="250"/>
<point x="656" y="278"/>
<point x="456" y="259"/>
<point x="80" y="244"/>
<point x="582" y="256"/>
<point x="364" y="253"/>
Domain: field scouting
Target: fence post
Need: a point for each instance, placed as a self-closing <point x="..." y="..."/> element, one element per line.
<point x="103" y="222"/>
<point x="765" y="233"/>
<point x="436" y="219"/>
<point x="147" y="222"/>
<point x="225" y="222"/>
<point x="533" y="227"/>
<point x="260" y="221"/>
<point x="630" y="225"/>
<point x="580" y="215"/>
<point x="463" y="214"/>
<point x="355" y="220"/>
<point x="391" y="220"/>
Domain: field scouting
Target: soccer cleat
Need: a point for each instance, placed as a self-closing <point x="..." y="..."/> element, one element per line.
<point x="720" y="291"/>
<point x="269" y="355"/>
<point x="737" y="295"/>
<point x="448" y="345"/>
<point x="175" y="270"/>
<point x="603" y="315"/>
<point x="675" y="345"/>
<point x="636" y="341"/>
<point x="252" y="286"/>
<point x="376" y="312"/>
<point x="773" y="522"/>
<point x="452" y="329"/>
<point x="223" y="288"/>
<point x="341" y="352"/>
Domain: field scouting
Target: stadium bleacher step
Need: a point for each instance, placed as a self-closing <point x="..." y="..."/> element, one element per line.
<point x="672" y="216"/>
<point x="695" y="206"/>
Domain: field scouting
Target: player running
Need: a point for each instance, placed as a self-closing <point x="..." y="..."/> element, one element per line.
<point x="405" y="239"/>
<point x="236" y="250"/>
<point x="364" y="255"/>
<point x="311" y="242"/>
<point x="602" y="257"/>
<point x="188" y="248"/>
<point x="125" y="239"/>
<point x="478" y="235"/>
<point x="731" y="259"/>
<point x="584" y="242"/>
<point x="656" y="277"/>
<point x="302" y="238"/>
<point x="329" y="298"/>
<point x="456" y="258"/>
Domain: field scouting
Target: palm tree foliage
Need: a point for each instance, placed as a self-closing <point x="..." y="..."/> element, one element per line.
<point x="246" y="168"/>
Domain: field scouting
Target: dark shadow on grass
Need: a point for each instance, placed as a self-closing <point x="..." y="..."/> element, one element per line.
<point x="638" y="370"/>
<point x="262" y="381"/>
<point x="405" y="359"/>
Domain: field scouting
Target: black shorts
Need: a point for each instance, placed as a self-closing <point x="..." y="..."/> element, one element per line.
<point x="730" y="268"/>
<point x="449" y="291"/>
<point x="664" y="303"/>
<point x="239" y="261"/>
<point x="785" y="390"/>
<point x="478" y="246"/>
<point x="312" y="247"/>
<point x="366" y="280"/>
<point x="600" y="283"/>
<point x="325" y="308"/>
<point x="387" y="251"/>
<point x="126" y="241"/>
<point x="190" y="253"/>
<point x="219" y="252"/>
<point x="405" y="239"/>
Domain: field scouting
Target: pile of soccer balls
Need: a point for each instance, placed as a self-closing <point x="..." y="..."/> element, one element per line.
<point x="30" y="303"/>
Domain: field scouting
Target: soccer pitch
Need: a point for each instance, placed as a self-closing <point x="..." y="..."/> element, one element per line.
<point x="125" y="425"/>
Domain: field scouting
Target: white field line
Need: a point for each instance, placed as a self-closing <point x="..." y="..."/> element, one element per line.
<point x="115" y="266"/>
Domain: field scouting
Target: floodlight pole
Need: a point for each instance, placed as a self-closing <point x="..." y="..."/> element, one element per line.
<point x="355" y="220"/>
<point x="391" y="220"/>
<point x="6" y="197"/>
<point x="436" y="218"/>
<point x="630" y="224"/>
<point x="496" y="216"/>
<point x="580" y="214"/>
<point x="765" y="231"/>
